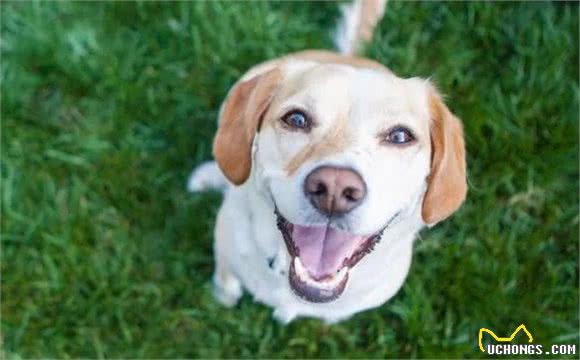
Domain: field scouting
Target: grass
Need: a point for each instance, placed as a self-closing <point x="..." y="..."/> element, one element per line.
<point x="107" y="106"/>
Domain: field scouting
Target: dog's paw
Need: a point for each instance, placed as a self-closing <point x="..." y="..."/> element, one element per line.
<point x="283" y="316"/>
<point x="206" y="176"/>
<point x="229" y="293"/>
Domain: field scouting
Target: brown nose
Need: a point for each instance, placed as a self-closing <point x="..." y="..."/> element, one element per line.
<point x="334" y="190"/>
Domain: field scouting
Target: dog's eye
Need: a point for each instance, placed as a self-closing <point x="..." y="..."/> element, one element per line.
<point x="399" y="136"/>
<point x="296" y="119"/>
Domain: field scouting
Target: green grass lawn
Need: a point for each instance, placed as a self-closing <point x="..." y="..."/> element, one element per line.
<point x="106" y="108"/>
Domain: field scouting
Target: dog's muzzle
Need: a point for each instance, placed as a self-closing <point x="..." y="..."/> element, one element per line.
<point x="322" y="256"/>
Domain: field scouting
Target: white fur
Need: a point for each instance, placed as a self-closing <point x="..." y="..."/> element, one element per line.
<point x="250" y="251"/>
<point x="346" y="31"/>
<point x="347" y="35"/>
<point x="206" y="176"/>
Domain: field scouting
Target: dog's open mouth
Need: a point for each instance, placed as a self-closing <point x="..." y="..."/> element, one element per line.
<point x="321" y="257"/>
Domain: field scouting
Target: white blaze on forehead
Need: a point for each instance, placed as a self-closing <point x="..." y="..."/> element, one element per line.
<point x="367" y="99"/>
<point x="323" y="92"/>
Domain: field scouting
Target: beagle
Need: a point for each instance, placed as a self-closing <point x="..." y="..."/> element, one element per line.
<point x="333" y="165"/>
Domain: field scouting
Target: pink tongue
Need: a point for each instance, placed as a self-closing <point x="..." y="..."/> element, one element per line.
<point x="323" y="249"/>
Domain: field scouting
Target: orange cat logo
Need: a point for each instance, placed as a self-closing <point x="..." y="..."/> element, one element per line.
<point x="503" y="339"/>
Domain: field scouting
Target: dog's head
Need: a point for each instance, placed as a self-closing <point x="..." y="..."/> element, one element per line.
<point x="343" y="151"/>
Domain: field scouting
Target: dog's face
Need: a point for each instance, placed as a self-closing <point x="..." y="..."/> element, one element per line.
<point x="342" y="152"/>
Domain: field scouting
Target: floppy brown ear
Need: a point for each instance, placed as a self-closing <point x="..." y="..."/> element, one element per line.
<point x="446" y="184"/>
<point x="240" y="119"/>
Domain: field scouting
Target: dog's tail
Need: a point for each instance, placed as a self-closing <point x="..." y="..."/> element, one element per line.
<point x="357" y="24"/>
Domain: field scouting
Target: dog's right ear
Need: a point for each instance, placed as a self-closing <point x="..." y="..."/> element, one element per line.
<point x="447" y="182"/>
<point x="240" y="119"/>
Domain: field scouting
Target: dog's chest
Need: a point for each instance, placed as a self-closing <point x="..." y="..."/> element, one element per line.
<point x="264" y="265"/>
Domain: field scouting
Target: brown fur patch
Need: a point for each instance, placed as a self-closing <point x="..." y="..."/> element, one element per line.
<point x="371" y="13"/>
<point x="329" y="57"/>
<point x="447" y="185"/>
<point x="239" y="121"/>
<point x="334" y="141"/>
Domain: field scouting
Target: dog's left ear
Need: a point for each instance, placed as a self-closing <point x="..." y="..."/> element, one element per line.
<point x="240" y="118"/>
<point x="447" y="186"/>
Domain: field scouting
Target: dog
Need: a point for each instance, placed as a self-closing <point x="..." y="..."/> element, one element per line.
<point x="330" y="165"/>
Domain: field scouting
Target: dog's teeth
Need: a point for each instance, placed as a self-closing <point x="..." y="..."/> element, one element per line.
<point x="327" y="284"/>
<point x="300" y="270"/>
